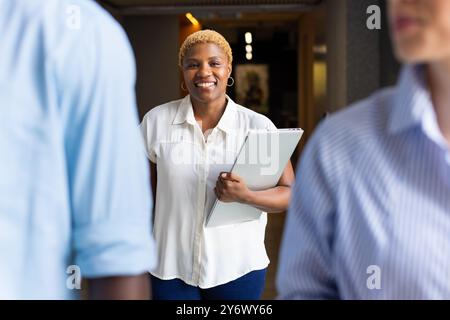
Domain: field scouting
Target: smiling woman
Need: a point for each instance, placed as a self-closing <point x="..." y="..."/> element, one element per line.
<point x="205" y="58"/>
<point x="206" y="70"/>
<point x="195" y="262"/>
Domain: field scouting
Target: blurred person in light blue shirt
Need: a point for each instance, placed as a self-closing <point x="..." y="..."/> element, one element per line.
<point x="74" y="186"/>
<point x="370" y="213"/>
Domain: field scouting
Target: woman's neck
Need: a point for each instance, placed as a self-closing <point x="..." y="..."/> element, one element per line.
<point x="439" y="81"/>
<point x="209" y="114"/>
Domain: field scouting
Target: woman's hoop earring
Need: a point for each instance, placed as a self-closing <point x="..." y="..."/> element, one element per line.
<point x="232" y="82"/>
<point x="183" y="88"/>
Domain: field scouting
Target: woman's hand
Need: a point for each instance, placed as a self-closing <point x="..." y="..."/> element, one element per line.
<point x="231" y="188"/>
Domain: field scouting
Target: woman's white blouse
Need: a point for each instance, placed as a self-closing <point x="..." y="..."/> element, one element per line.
<point x="188" y="165"/>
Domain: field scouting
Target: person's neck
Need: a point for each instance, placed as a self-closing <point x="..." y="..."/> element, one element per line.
<point x="209" y="114"/>
<point x="439" y="81"/>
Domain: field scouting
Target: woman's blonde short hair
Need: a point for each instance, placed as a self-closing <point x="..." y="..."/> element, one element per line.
<point x="205" y="36"/>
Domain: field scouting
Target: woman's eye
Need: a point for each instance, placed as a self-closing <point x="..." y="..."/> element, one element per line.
<point x="192" y="65"/>
<point x="215" y="64"/>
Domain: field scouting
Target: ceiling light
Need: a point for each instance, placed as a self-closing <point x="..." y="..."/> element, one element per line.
<point x="192" y="19"/>
<point x="248" y="37"/>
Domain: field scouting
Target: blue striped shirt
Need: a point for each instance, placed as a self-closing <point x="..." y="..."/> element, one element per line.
<point x="370" y="214"/>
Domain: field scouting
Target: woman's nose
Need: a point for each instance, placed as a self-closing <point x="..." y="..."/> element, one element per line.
<point x="204" y="70"/>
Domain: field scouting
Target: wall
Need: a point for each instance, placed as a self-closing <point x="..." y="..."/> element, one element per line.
<point x="359" y="60"/>
<point x="155" y="43"/>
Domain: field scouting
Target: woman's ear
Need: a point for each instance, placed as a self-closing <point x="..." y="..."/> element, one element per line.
<point x="230" y="69"/>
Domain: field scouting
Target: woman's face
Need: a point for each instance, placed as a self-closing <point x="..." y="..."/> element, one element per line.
<point x="420" y="30"/>
<point x="206" y="70"/>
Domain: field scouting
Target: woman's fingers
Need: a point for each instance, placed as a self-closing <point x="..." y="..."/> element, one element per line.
<point x="219" y="185"/>
<point x="228" y="176"/>
<point x="233" y="177"/>
<point x="224" y="184"/>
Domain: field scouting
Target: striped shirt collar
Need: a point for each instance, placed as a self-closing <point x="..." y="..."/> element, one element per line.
<point x="411" y="100"/>
<point x="413" y="106"/>
<point x="185" y="113"/>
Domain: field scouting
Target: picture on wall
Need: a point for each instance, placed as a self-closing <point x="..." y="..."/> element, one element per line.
<point x="252" y="86"/>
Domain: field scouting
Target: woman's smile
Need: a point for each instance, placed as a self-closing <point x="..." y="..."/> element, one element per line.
<point x="205" y="84"/>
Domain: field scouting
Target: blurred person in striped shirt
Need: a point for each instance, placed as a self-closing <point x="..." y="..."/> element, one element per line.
<point x="370" y="213"/>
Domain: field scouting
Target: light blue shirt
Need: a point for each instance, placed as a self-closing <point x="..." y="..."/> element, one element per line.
<point x="74" y="183"/>
<point x="370" y="214"/>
